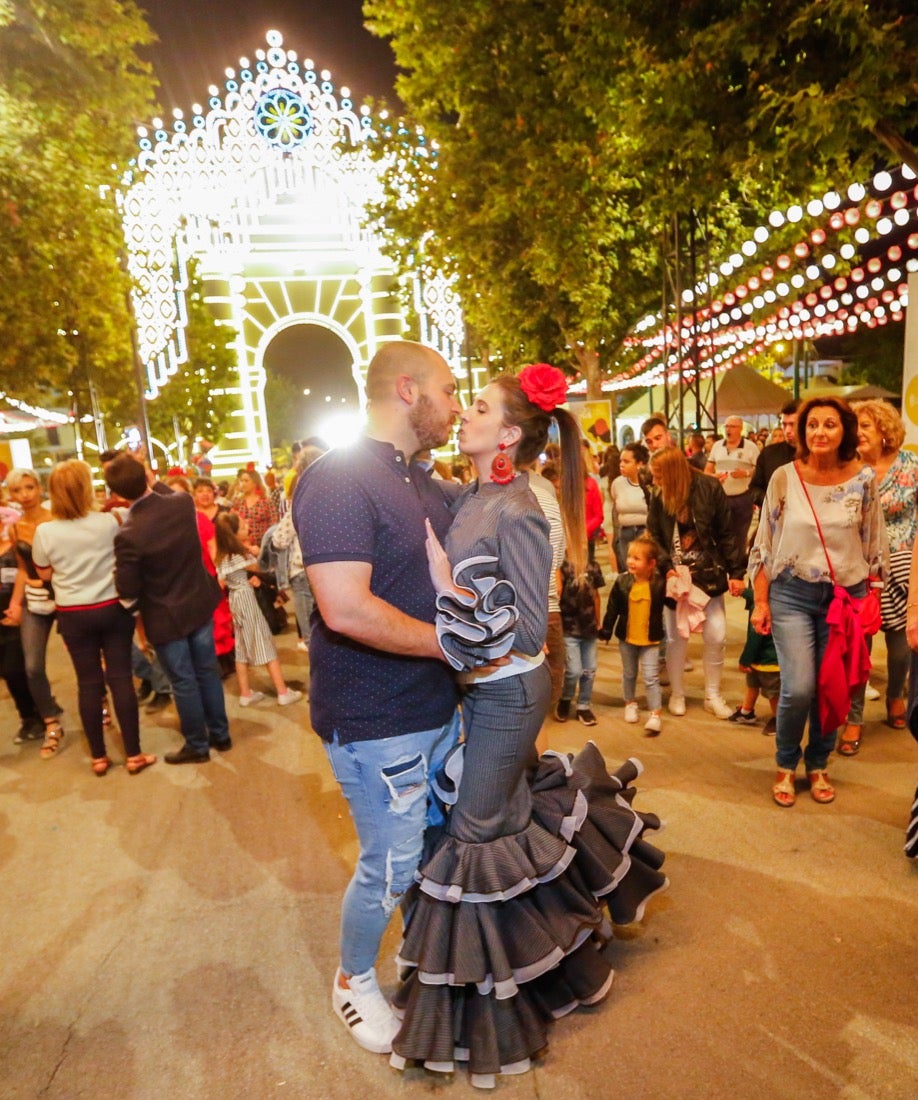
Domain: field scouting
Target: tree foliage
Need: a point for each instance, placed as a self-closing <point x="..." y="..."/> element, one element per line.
<point x="549" y="142"/>
<point x="72" y="90"/>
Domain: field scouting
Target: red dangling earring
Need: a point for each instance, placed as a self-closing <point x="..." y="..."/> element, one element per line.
<point x="502" y="471"/>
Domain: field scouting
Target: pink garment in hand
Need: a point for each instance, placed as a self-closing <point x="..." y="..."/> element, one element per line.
<point x="690" y="601"/>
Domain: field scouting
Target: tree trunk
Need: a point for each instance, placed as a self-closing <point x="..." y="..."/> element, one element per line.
<point x="588" y="362"/>
<point x="893" y="140"/>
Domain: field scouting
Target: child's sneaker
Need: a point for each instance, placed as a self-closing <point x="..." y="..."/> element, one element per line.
<point x="653" y="725"/>
<point x="677" y="705"/>
<point x="586" y="716"/>
<point x="563" y="710"/>
<point x="631" y="712"/>
<point x="249" y="700"/>
<point x="291" y="695"/>
<point x="744" y="717"/>
<point x="771" y="727"/>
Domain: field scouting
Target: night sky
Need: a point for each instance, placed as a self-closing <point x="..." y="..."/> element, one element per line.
<point x="201" y="38"/>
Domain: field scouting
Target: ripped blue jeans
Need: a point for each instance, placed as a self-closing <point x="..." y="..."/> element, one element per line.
<point x="386" y="784"/>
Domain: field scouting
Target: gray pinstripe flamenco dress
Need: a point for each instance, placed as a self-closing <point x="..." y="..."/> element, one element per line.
<point x="506" y="924"/>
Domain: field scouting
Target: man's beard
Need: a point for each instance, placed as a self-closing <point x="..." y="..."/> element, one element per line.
<point x="428" y="425"/>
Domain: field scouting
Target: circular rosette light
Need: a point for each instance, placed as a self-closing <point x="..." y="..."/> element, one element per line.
<point x="283" y="119"/>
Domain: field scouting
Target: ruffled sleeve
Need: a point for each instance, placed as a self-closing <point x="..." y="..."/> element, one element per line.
<point x="475" y="623"/>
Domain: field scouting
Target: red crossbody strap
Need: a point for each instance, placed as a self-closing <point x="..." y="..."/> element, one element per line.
<point x="815" y="517"/>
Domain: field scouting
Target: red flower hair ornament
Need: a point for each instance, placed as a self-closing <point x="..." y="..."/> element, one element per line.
<point x="544" y="385"/>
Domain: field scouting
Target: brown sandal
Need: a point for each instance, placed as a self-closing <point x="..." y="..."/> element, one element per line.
<point x="53" y="736"/>
<point x="100" y="765"/>
<point x="849" y="745"/>
<point x="820" y="787"/>
<point x="895" y="714"/>
<point x="784" y="792"/>
<point x="135" y="764"/>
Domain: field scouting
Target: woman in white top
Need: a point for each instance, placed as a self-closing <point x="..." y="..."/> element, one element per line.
<point x="629" y="500"/>
<point x="792" y="577"/>
<point x="76" y="550"/>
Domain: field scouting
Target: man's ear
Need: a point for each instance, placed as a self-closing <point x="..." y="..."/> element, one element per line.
<point x="406" y="388"/>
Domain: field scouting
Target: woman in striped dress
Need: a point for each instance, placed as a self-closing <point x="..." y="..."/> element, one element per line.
<point x="504" y="929"/>
<point x="236" y="567"/>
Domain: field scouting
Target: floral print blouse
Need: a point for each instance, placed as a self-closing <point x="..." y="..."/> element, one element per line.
<point x="787" y="541"/>
<point x="899" y="501"/>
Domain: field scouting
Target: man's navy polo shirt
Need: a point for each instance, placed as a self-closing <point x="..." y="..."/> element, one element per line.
<point x="366" y="503"/>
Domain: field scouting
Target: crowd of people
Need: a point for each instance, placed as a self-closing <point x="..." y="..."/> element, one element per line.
<point x="449" y="613"/>
<point x="86" y="561"/>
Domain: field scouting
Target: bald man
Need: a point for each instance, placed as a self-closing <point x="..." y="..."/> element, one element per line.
<point x="732" y="461"/>
<point x="382" y="697"/>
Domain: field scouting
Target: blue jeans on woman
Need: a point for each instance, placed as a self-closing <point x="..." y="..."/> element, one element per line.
<point x="35" y="631"/>
<point x="800" y="632"/>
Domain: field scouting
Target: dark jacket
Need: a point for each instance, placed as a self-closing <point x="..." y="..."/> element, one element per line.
<point x="158" y="563"/>
<point x="708" y="504"/>
<point x="615" y="620"/>
<point x="772" y="456"/>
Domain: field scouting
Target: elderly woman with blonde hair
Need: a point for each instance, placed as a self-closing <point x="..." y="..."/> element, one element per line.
<point x="880" y="435"/>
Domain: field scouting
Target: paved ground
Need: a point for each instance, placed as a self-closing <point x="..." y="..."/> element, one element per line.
<point x="173" y="934"/>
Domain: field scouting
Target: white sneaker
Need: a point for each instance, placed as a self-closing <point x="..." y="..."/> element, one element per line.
<point x="249" y="700"/>
<point x="871" y="693"/>
<point x="717" y="705"/>
<point x="653" y="725"/>
<point x="291" y="695"/>
<point x="677" y="705"/>
<point x="365" y="1012"/>
<point x="631" y="712"/>
<point x="302" y="646"/>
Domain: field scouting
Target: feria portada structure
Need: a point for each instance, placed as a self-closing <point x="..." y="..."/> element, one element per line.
<point x="267" y="189"/>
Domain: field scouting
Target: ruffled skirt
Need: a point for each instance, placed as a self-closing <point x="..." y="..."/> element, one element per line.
<point x="505" y="935"/>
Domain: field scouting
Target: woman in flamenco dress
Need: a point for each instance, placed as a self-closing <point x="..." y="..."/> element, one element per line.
<point x="505" y="927"/>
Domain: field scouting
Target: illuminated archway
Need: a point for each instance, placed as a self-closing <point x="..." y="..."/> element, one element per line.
<point x="267" y="189"/>
<point x="313" y="384"/>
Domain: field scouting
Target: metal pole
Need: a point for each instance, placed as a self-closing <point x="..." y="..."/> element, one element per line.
<point x="796" y="370"/>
